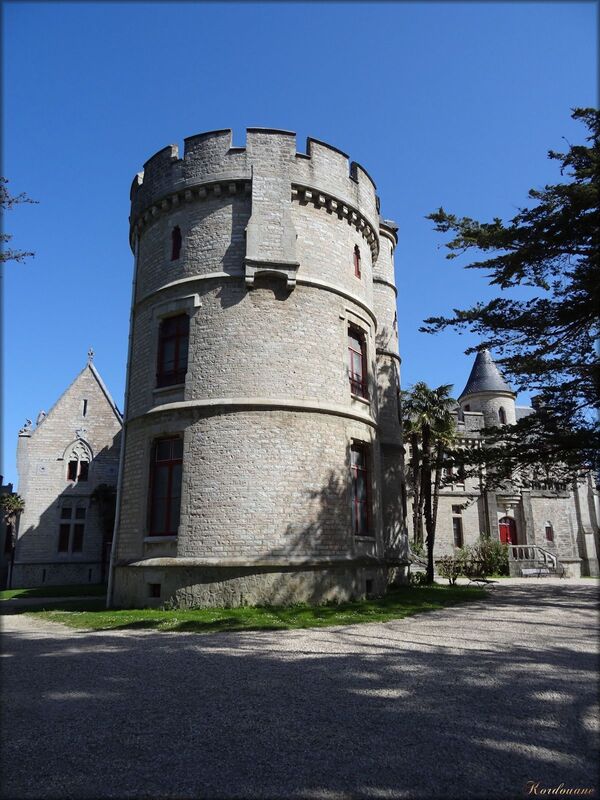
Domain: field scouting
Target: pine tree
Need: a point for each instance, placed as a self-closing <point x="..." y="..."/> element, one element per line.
<point x="546" y="344"/>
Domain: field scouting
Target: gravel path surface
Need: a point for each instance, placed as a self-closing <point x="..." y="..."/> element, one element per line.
<point x="471" y="701"/>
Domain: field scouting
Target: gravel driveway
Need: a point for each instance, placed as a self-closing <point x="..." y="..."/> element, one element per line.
<point x="470" y="701"/>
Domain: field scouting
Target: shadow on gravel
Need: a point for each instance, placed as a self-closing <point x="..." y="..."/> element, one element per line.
<point x="328" y="713"/>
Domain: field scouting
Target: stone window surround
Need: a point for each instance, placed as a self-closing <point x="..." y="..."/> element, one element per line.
<point x="366" y="447"/>
<point x="161" y="311"/>
<point x="350" y="317"/>
<point x="79" y="451"/>
<point x="171" y="463"/>
<point x="72" y="521"/>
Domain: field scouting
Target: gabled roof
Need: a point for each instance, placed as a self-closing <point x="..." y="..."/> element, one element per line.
<point x="89" y="366"/>
<point x="107" y="394"/>
<point x="485" y="376"/>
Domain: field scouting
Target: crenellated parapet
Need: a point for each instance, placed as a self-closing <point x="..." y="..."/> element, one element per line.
<point x="271" y="170"/>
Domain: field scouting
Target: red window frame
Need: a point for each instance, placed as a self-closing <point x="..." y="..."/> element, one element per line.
<point x="357" y="362"/>
<point x="361" y="490"/>
<point x="173" y="335"/>
<point x="167" y="458"/>
<point x="176" y="241"/>
<point x="356" y="259"/>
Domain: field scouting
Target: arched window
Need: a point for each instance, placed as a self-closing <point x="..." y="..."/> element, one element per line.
<point x="78" y="457"/>
<point x="175" y="243"/>
<point x="502" y="416"/>
<point x="356" y="261"/>
<point x="549" y="532"/>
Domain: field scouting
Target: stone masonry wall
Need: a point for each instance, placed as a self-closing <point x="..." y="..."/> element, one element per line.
<point x="43" y="484"/>
<point x="266" y="275"/>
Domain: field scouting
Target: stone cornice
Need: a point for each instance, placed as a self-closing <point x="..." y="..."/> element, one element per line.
<point x="224" y="185"/>
<point x="266" y="563"/>
<point x="381" y="351"/>
<point x="263" y="403"/>
<point x="385" y="282"/>
<point x="301" y="281"/>
<point x="333" y="205"/>
<point x="220" y="186"/>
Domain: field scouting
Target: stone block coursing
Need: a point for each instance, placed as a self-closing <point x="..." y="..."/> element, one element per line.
<point x="266" y="274"/>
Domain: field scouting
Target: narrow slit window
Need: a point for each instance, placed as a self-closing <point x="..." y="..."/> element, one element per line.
<point x="549" y="532"/>
<point x="502" y="416"/>
<point x="84" y="405"/>
<point x="175" y="243"/>
<point x="357" y="271"/>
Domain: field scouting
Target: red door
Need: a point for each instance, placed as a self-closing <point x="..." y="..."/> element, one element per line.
<point x="508" y="530"/>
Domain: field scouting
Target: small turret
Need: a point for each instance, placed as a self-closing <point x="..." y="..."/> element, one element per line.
<point x="487" y="391"/>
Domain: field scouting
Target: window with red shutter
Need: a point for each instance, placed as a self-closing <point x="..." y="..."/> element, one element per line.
<point x="361" y="510"/>
<point x="173" y="338"/>
<point x="357" y="362"/>
<point x="165" y="486"/>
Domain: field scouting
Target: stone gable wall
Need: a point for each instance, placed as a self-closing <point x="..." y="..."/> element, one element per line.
<point x="44" y="486"/>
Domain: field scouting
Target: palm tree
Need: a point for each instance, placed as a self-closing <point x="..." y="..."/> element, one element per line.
<point x="427" y="419"/>
<point x="11" y="507"/>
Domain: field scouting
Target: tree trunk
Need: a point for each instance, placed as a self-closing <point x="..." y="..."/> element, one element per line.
<point x="427" y="509"/>
<point x="439" y="456"/>
<point x="415" y="460"/>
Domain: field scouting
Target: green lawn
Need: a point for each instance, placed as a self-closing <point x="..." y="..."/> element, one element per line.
<point x="84" y="590"/>
<point x="402" y="602"/>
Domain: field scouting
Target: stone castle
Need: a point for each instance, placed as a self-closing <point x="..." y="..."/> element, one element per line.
<point x="261" y="459"/>
<point x="262" y="448"/>
<point x="545" y="525"/>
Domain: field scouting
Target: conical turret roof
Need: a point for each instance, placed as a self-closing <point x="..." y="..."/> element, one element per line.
<point x="485" y="376"/>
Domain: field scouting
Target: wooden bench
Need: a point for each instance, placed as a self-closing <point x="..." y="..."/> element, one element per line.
<point x="526" y="572"/>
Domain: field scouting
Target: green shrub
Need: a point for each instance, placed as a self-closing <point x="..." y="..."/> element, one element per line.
<point x="450" y="567"/>
<point x="418" y="578"/>
<point x="492" y="555"/>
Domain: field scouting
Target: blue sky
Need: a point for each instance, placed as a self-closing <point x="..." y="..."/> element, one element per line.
<point x="452" y="104"/>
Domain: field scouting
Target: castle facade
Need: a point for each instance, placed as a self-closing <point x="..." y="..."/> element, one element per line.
<point x="545" y="524"/>
<point x="262" y="446"/>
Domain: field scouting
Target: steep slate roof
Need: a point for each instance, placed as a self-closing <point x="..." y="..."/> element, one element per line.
<point x="485" y="376"/>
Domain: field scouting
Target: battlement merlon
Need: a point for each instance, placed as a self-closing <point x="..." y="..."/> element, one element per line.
<point x="211" y="157"/>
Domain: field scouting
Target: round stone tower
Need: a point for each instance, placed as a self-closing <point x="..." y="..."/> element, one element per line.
<point x="262" y="457"/>
<point x="487" y="391"/>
